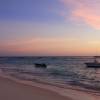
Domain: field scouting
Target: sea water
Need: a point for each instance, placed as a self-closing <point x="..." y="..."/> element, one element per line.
<point x="60" y="71"/>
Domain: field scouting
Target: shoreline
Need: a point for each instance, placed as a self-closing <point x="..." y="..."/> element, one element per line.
<point x="68" y="93"/>
<point x="11" y="90"/>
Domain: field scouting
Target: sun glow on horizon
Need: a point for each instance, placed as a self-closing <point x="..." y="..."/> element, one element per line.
<point x="53" y="46"/>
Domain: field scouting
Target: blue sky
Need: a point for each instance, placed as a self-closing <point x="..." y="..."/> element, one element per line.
<point x="29" y="10"/>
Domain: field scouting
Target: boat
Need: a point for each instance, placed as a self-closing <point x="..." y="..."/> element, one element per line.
<point x="37" y="65"/>
<point x="94" y="64"/>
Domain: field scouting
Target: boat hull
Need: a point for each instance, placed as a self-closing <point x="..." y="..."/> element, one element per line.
<point x="93" y="65"/>
<point x="37" y="65"/>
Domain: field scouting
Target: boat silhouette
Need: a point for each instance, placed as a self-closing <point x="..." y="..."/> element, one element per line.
<point x="94" y="64"/>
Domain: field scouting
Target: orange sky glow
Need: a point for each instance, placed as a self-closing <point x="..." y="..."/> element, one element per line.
<point x="45" y="46"/>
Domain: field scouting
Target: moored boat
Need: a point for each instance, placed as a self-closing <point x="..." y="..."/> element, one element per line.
<point x="37" y="65"/>
<point x="94" y="64"/>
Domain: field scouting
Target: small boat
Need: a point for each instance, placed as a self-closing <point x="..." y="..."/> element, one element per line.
<point x="37" y="65"/>
<point x="94" y="64"/>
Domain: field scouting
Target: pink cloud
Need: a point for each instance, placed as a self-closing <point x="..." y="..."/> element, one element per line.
<point x="86" y="11"/>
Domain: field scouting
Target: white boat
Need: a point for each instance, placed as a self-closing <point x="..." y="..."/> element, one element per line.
<point x="94" y="64"/>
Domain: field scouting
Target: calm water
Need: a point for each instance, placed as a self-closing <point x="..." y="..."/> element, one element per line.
<point x="60" y="70"/>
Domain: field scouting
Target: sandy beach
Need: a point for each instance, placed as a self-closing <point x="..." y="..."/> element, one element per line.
<point x="10" y="90"/>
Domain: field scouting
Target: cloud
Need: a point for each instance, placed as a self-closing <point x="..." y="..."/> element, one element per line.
<point x="41" y="46"/>
<point x="86" y="11"/>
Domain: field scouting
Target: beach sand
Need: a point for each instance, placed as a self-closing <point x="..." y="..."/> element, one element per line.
<point x="13" y="89"/>
<point x="10" y="90"/>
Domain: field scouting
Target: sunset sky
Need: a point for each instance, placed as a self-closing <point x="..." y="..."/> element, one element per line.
<point x="49" y="27"/>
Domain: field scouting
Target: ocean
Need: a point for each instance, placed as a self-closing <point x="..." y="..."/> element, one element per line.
<point x="60" y="71"/>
